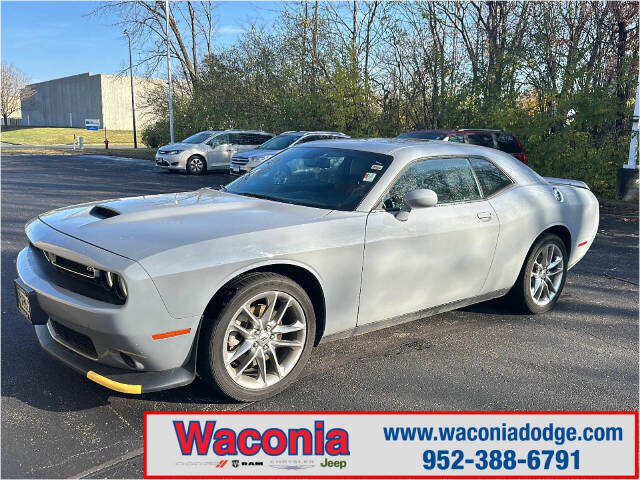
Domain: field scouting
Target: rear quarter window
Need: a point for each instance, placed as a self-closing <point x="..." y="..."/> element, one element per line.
<point x="481" y="139"/>
<point x="507" y="143"/>
<point x="490" y="177"/>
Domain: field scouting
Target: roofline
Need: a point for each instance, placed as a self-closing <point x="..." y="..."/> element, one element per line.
<point x="315" y="132"/>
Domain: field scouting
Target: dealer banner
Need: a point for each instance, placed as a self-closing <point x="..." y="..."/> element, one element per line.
<point x="391" y="444"/>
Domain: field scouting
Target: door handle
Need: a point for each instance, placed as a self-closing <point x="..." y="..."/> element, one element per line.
<point x="484" y="216"/>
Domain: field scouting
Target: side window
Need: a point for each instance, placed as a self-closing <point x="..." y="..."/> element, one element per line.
<point x="237" y="138"/>
<point x="489" y="176"/>
<point x="246" y="139"/>
<point x="222" y="139"/>
<point x="451" y="178"/>
<point x="507" y="143"/>
<point x="457" y="138"/>
<point x="310" y="138"/>
<point x="482" y="139"/>
<point x="259" y="139"/>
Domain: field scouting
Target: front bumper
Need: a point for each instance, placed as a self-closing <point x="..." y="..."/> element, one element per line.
<point x="120" y="338"/>
<point x="236" y="169"/>
<point x="120" y="380"/>
<point x="172" y="162"/>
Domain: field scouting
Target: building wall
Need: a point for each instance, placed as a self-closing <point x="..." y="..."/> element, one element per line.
<point x="116" y="101"/>
<point x="103" y="97"/>
<point x="64" y="102"/>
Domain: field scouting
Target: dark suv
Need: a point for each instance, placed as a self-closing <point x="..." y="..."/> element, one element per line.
<point x="497" y="139"/>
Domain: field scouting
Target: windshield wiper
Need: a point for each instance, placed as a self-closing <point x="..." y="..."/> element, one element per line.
<point x="258" y="195"/>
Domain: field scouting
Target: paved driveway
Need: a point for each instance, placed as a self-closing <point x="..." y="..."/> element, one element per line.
<point x="581" y="356"/>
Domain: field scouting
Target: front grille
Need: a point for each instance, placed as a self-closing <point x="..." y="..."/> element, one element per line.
<point x="239" y="161"/>
<point x="74" y="340"/>
<point x="70" y="265"/>
<point x="71" y="275"/>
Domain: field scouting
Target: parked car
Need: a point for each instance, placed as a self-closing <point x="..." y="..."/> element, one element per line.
<point x="325" y="240"/>
<point x="246" y="161"/>
<point x="498" y="139"/>
<point x="211" y="149"/>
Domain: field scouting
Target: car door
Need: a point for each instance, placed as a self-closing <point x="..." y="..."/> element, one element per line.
<point x="222" y="149"/>
<point x="439" y="255"/>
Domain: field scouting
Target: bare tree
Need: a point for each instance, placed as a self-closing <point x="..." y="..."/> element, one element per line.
<point x="13" y="89"/>
<point x="191" y="25"/>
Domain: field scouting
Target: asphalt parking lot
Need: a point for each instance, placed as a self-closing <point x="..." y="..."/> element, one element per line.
<point x="581" y="356"/>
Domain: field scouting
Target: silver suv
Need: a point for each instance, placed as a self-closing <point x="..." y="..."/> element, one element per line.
<point x="208" y="150"/>
<point x="246" y="161"/>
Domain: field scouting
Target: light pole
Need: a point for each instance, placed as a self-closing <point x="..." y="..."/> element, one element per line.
<point x="627" y="179"/>
<point x="133" y="103"/>
<point x="166" y="13"/>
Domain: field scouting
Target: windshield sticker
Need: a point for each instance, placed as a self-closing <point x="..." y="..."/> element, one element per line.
<point x="376" y="166"/>
<point x="369" y="176"/>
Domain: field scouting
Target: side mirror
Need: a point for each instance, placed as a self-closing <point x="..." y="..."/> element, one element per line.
<point x="420" y="198"/>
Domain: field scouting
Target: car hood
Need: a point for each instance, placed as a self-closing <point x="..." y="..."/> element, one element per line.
<point x="178" y="146"/>
<point x="256" y="153"/>
<point x="139" y="227"/>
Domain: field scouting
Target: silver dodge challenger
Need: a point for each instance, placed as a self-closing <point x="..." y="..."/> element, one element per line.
<point x="329" y="239"/>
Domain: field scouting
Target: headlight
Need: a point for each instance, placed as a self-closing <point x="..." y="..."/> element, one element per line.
<point x="121" y="288"/>
<point x="108" y="279"/>
<point x="261" y="159"/>
<point x="173" y="152"/>
<point x="116" y="284"/>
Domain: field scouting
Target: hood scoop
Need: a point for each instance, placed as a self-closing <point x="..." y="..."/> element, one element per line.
<point x="102" y="212"/>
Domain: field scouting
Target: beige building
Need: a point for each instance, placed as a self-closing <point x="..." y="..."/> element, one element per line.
<point x="69" y="101"/>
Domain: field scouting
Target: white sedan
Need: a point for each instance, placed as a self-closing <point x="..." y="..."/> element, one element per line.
<point x="324" y="240"/>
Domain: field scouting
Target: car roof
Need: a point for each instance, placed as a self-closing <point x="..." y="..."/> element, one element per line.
<point x="446" y="131"/>
<point x="316" y="132"/>
<point x="409" y="149"/>
<point x="241" y="130"/>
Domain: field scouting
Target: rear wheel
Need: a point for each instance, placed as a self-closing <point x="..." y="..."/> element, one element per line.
<point x="196" y="165"/>
<point x="542" y="277"/>
<point x="261" y="339"/>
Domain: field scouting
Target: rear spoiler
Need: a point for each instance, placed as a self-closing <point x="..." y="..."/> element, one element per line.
<point x="565" y="181"/>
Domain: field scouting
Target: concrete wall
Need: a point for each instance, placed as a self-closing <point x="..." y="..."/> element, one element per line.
<point x="103" y="97"/>
<point x="54" y="100"/>
<point x="116" y="101"/>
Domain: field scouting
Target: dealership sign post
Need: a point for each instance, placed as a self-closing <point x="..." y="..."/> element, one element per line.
<point x="391" y="444"/>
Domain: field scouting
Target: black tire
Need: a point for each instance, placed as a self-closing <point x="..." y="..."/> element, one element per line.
<point x="520" y="296"/>
<point x="211" y="366"/>
<point x="196" y="165"/>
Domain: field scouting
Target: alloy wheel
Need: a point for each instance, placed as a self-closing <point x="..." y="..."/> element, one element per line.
<point x="546" y="274"/>
<point x="196" y="165"/>
<point x="264" y="340"/>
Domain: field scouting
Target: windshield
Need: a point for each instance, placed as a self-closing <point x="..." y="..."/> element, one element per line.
<point x="198" y="138"/>
<point x="280" y="142"/>
<point x="330" y="178"/>
<point x="423" y="135"/>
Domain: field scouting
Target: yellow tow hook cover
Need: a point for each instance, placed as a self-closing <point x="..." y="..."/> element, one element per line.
<point x="112" y="384"/>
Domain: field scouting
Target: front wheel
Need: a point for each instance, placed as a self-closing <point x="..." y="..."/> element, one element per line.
<point x="542" y="277"/>
<point x="196" y="165"/>
<point x="261" y="339"/>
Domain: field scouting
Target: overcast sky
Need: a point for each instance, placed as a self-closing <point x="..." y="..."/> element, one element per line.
<point x="56" y="39"/>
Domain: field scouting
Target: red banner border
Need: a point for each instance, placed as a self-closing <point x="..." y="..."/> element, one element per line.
<point x="395" y="412"/>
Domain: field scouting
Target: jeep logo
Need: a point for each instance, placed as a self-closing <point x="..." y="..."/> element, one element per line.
<point x="334" y="463"/>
